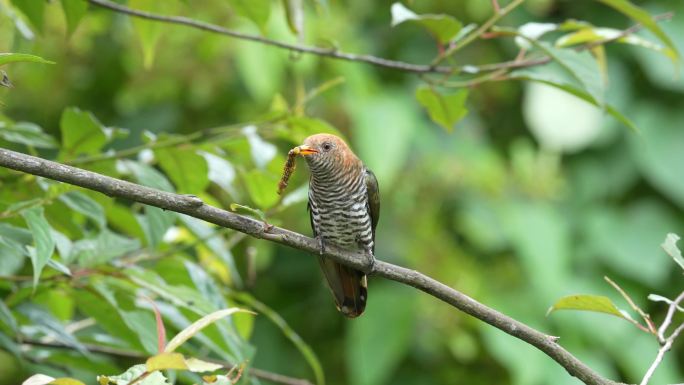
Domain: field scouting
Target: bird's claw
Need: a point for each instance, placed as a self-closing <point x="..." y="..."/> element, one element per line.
<point x="321" y="245"/>
<point x="370" y="262"/>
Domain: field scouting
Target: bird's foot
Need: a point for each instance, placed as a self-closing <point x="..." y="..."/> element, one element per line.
<point x="321" y="244"/>
<point x="369" y="261"/>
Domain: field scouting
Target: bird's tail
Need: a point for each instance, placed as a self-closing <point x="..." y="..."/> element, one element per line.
<point x="348" y="286"/>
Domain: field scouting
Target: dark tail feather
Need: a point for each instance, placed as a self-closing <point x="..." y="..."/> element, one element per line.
<point x="348" y="286"/>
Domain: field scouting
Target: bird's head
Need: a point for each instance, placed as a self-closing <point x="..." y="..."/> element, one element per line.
<point x="324" y="151"/>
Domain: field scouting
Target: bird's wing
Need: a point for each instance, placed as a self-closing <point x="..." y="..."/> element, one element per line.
<point x="373" y="205"/>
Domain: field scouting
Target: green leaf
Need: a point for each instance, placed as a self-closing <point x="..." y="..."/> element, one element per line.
<point x="572" y="89"/>
<point x="83" y="204"/>
<point x="198" y="325"/>
<point x="155" y="378"/>
<point x="591" y="35"/>
<point x="304" y="349"/>
<point x="148" y="176"/>
<point x="81" y="132"/>
<point x="257" y="11"/>
<point x="641" y="16"/>
<point x="581" y="66"/>
<point x="45" y="244"/>
<point x="7" y="318"/>
<point x="670" y="247"/>
<point x="165" y="361"/>
<point x="262" y="187"/>
<point x="102" y="248"/>
<point x="7" y="57"/>
<point x="443" y="28"/>
<point x="155" y="223"/>
<point x="187" y="170"/>
<point x="301" y="127"/>
<point x="444" y="109"/>
<point x="66" y="381"/>
<point x="74" y="10"/>
<point x="51" y="325"/>
<point x="373" y="336"/>
<point x="586" y="302"/>
<point x="148" y="31"/>
<point x="27" y="133"/>
<point x="34" y="11"/>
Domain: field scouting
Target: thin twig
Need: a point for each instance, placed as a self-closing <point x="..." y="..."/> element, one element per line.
<point x="478" y="32"/>
<point x="320" y="51"/>
<point x="661" y="354"/>
<point x="195" y="207"/>
<point x="668" y="318"/>
<point x="259" y="373"/>
<point x="647" y="318"/>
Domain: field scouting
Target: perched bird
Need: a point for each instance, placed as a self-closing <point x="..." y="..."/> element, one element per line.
<point x="344" y="207"/>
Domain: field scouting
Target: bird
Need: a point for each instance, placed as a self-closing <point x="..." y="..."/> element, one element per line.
<point x="344" y="208"/>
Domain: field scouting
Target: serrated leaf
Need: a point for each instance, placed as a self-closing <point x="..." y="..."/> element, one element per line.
<point x="443" y="28"/>
<point x="572" y="89"/>
<point x="165" y="361"/>
<point x="85" y="205"/>
<point x="198" y="325"/>
<point x="641" y="16"/>
<point x="42" y="236"/>
<point x="187" y="170"/>
<point x="74" y="10"/>
<point x="586" y="302"/>
<point x="257" y="11"/>
<point x="34" y="11"/>
<point x="670" y="247"/>
<point x="81" y="132"/>
<point x="444" y="109"/>
<point x="148" y="31"/>
<point x="27" y="133"/>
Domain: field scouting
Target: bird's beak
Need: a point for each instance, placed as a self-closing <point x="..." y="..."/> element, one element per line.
<point x="304" y="150"/>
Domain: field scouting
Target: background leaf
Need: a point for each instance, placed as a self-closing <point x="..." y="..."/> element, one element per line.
<point x="43" y="241"/>
<point x="445" y="110"/>
<point x="595" y="303"/>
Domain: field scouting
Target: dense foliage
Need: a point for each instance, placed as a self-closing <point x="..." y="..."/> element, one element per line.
<point x="515" y="186"/>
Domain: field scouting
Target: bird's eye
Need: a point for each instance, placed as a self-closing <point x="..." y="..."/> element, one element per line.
<point x="327" y="146"/>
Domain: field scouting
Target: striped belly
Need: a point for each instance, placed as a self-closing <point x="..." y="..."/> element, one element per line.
<point x="343" y="222"/>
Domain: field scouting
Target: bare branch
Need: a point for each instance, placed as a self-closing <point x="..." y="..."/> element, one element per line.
<point x="668" y="318"/>
<point x="192" y="206"/>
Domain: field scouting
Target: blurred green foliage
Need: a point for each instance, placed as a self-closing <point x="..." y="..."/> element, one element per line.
<point x="532" y="195"/>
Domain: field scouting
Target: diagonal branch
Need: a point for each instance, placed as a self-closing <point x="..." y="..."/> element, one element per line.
<point x="193" y="206"/>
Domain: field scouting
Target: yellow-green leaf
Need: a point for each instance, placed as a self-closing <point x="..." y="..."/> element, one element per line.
<point x="34" y="11"/>
<point x="641" y="16"/>
<point x="586" y="302"/>
<point x="199" y="366"/>
<point x="66" y="381"/>
<point x="165" y="361"/>
<point x="256" y="10"/>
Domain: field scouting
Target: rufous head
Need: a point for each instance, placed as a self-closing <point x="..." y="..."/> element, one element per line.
<point x="323" y="151"/>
